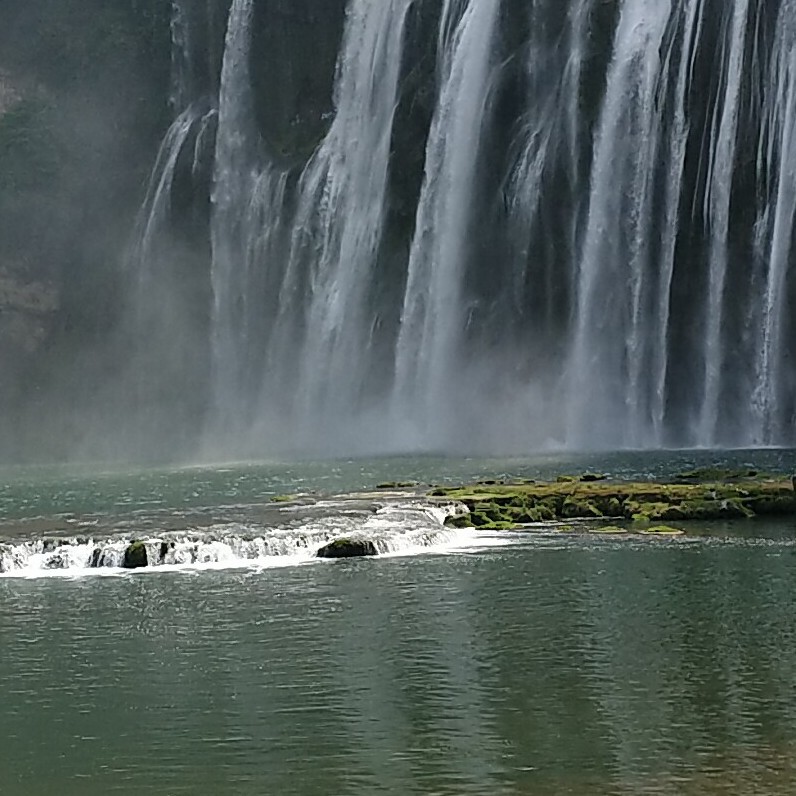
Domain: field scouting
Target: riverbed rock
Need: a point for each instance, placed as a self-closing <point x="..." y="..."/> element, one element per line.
<point x="348" y="548"/>
<point x="135" y="556"/>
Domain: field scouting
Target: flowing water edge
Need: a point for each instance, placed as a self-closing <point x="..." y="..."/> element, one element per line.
<point x="453" y="663"/>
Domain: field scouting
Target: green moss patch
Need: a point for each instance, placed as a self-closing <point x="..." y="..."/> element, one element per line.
<point x="284" y="498"/>
<point x="646" y="503"/>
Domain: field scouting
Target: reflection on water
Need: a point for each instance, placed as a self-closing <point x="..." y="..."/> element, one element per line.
<point x="605" y="669"/>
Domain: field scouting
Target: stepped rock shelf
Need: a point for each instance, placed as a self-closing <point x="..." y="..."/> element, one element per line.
<point x="403" y="515"/>
<point x="706" y="494"/>
<point x="641" y="506"/>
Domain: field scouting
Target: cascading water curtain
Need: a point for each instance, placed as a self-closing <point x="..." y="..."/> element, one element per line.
<point x="598" y="251"/>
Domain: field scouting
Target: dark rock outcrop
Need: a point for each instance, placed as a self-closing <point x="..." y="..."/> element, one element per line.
<point x="135" y="556"/>
<point x="348" y="548"/>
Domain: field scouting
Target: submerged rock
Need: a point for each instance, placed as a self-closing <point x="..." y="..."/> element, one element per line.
<point x="662" y="530"/>
<point x="135" y="556"/>
<point x="348" y="548"/>
<point x="717" y="474"/>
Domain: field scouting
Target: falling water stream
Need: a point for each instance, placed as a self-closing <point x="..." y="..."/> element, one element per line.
<point x="583" y="267"/>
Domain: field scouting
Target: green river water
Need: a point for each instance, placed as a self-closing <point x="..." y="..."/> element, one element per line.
<point x="536" y="663"/>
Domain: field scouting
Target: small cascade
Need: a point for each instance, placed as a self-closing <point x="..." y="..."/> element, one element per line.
<point x="193" y="119"/>
<point x="158" y="334"/>
<point x="433" y="321"/>
<point x="395" y="527"/>
<point x="150" y="238"/>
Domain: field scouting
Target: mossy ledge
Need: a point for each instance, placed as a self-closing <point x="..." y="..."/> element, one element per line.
<point x="502" y="506"/>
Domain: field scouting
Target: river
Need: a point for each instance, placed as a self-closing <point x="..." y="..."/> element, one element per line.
<point x="535" y="663"/>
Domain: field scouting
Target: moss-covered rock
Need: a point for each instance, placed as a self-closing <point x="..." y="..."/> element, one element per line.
<point x="783" y="504"/>
<point x="348" y="548"/>
<point x="135" y="556"/>
<point x="644" y="502"/>
<point x="501" y="525"/>
<point x="575" y="508"/>
<point x="459" y="521"/>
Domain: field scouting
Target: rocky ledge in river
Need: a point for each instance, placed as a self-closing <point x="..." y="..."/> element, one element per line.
<point x="707" y="494"/>
<point x="348" y="548"/>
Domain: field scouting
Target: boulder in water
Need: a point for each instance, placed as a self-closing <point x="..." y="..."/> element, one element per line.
<point x="135" y="556"/>
<point x="348" y="548"/>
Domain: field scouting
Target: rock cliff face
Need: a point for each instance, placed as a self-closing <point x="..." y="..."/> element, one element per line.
<point x="27" y="310"/>
<point x="295" y="48"/>
<point x="84" y="89"/>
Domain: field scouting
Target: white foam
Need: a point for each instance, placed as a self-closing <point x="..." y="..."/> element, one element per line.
<point x="409" y="527"/>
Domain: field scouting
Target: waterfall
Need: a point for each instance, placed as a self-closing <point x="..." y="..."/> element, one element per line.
<point x="432" y="322"/>
<point x="776" y="223"/>
<point x="615" y="294"/>
<point x="158" y="310"/>
<point x="550" y="137"/>
<point x="524" y="224"/>
<point x="153" y="219"/>
<point x="235" y="177"/>
<point x="324" y="321"/>
<point x="691" y="16"/>
<point x="723" y="142"/>
<point x="192" y="119"/>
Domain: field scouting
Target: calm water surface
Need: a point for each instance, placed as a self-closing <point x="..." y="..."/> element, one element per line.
<point x="526" y="665"/>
